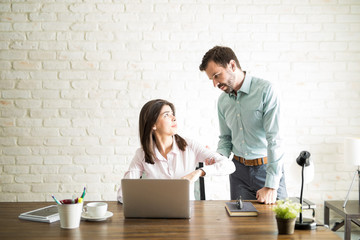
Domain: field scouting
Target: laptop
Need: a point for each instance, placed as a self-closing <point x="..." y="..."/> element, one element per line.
<point x="156" y="198"/>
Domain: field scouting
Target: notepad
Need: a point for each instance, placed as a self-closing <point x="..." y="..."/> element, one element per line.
<point x="47" y="214"/>
<point x="247" y="210"/>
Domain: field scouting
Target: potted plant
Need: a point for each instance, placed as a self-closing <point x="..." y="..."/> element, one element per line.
<point x="286" y="213"/>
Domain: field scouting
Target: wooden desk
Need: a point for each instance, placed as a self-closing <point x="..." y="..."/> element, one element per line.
<point x="209" y="221"/>
<point x="351" y="213"/>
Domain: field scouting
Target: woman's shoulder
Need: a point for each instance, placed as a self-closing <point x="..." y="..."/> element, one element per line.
<point x="140" y="149"/>
<point x="192" y="144"/>
<point x="139" y="153"/>
<point x="187" y="139"/>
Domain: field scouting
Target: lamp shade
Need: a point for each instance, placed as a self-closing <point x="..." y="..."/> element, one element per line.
<point x="309" y="173"/>
<point x="352" y="150"/>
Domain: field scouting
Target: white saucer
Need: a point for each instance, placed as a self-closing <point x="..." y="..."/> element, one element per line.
<point x="85" y="216"/>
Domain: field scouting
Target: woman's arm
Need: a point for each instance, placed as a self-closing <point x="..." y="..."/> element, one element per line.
<point x="219" y="165"/>
<point x="135" y="170"/>
<point x="193" y="176"/>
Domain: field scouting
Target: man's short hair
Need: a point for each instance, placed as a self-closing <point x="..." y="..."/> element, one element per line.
<point x="220" y="55"/>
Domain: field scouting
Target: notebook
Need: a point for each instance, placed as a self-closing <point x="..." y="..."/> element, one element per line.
<point x="247" y="210"/>
<point x="156" y="198"/>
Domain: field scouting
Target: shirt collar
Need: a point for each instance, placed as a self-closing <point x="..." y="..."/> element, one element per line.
<point x="245" y="87"/>
<point x="174" y="150"/>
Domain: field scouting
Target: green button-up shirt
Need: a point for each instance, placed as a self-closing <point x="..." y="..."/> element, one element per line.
<point x="250" y="126"/>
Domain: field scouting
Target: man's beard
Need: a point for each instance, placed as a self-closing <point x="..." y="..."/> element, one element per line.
<point x="228" y="88"/>
<point x="229" y="85"/>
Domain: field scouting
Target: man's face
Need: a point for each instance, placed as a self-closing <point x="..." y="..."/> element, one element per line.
<point x="223" y="78"/>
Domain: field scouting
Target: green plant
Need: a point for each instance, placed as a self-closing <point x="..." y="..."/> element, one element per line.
<point x="286" y="209"/>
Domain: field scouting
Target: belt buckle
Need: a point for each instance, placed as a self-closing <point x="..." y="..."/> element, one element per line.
<point x="248" y="162"/>
<point x="252" y="162"/>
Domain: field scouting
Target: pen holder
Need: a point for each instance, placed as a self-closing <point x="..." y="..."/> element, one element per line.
<point x="70" y="215"/>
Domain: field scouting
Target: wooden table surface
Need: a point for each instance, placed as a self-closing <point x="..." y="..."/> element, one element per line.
<point x="209" y="220"/>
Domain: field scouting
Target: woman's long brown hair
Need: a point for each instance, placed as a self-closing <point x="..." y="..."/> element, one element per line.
<point x="147" y="119"/>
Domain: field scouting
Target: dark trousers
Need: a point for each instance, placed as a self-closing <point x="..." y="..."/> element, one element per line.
<point x="246" y="181"/>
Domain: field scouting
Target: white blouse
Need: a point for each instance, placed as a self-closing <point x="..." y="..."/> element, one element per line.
<point x="178" y="164"/>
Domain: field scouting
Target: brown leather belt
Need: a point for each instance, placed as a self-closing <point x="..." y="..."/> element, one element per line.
<point x="252" y="162"/>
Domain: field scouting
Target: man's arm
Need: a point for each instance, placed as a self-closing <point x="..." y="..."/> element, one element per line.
<point x="224" y="144"/>
<point x="271" y="124"/>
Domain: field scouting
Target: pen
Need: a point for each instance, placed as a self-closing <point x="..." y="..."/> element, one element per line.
<point x="239" y="203"/>
<point x="56" y="200"/>
<point x="83" y="194"/>
<point x="80" y="199"/>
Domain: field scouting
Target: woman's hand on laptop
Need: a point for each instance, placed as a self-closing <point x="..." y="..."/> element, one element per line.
<point x="193" y="176"/>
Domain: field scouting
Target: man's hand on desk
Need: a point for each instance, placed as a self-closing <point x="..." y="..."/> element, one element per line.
<point x="266" y="195"/>
<point x="193" y="176"/>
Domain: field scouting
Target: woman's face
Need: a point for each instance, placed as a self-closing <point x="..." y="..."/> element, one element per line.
<point x="166" y="122"/>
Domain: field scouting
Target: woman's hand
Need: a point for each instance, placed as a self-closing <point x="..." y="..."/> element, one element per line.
<point x="193" y="176"/>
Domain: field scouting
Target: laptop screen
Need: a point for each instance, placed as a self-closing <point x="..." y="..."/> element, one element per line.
<point x="156" y="198"/>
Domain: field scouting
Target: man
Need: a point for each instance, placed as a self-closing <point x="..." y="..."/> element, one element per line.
<point x="249" y="118"/>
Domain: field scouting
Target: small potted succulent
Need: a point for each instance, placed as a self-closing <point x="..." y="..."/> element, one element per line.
<point x="286" y="213"/>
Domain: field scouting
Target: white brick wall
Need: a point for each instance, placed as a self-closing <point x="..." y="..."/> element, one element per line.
<point x="75" y="74"/>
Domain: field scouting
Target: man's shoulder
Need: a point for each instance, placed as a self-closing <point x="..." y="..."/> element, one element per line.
<point x="259" y="85"/>
<point x="224" y="101"/>
<point x="260" y="82"/>
<point x="223" y="96"/>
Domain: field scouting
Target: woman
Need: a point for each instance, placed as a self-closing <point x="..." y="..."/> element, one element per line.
<point x="166" y="155"/>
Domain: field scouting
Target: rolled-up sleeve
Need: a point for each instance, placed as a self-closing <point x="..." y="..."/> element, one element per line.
<point x="222" y="165"/>
<point x="274" y="139"/>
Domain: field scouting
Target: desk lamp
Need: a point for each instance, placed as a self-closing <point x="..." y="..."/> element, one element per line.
<point x="352" y="156"/>
<point x="305" y="224"/>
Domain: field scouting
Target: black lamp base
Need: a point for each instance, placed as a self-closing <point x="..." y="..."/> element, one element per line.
<point x="307" y="224"/>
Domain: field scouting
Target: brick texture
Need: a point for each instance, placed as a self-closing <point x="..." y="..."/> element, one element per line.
<point x="75" y="74"/>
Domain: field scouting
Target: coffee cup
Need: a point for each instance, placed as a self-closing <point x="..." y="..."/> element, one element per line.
<point x="96" y="209"/>
<point x="70" y="215"/>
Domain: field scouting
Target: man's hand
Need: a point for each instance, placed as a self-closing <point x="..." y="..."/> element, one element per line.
<point x="193" y="176"/>
<point x="266" y="195"/>
<point x="209" y="161"/>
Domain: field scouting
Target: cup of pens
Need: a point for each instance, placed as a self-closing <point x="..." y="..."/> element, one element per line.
<point x="70" y="211"/>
